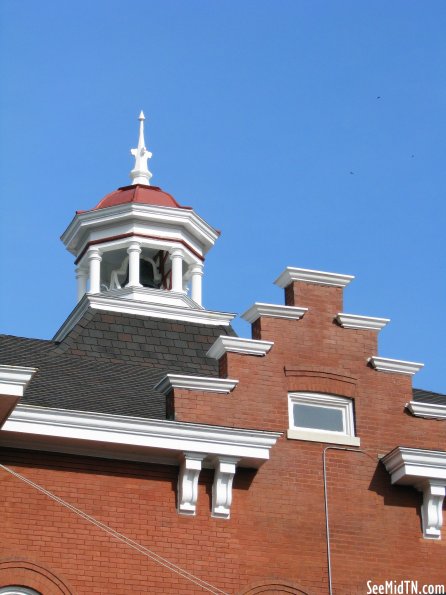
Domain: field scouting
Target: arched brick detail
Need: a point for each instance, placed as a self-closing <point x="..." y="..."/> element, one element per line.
<point x="314" y="379"/>
<point x="32" y="575"/>
<point x="275" y="587"/>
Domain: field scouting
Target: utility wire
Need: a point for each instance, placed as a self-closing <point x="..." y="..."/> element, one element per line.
<point x="120" y="537"/>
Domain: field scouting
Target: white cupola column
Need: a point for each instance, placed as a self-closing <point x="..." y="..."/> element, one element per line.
<point x="176" y="257"/>
<point x="81" y="282"/>
<point x="196" y="283"/>
<point x="134" y="250"/>
<point x="94" y="260"/>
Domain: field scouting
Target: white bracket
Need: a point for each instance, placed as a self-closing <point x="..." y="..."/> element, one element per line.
<point x="188" y="482"/>
<point x="222" y="487"/>
<point x="432" y="508"/>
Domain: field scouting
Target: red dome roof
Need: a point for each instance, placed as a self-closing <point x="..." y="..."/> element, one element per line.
<point x="138" y="193"/>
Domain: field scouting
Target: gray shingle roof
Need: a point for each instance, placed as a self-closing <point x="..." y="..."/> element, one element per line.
<point x="109" y="363"/>
<point x="426" y="396"/>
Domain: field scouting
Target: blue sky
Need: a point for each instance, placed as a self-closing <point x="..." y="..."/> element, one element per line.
<point x="311" y="133"/>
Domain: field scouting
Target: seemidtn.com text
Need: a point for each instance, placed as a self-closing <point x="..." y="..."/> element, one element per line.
<point x="407" y="587"/>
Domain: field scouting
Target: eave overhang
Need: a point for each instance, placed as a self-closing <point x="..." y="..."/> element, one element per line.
<point x="153" y="303"/>
<point x="13" y="382"/>
<point x="427" y="410"/>
<point x="132" y="438"/>
<point x="76" y="236"/>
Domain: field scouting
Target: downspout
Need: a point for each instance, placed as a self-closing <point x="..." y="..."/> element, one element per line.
<point x="327" y="526"/>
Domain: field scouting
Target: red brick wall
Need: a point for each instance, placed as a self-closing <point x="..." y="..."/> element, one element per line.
<point x="276" y="534"/>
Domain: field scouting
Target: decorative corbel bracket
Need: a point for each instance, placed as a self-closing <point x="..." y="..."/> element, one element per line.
<point x="222" y="487"/>
<point x="190" y="468"/>
<point x="432" y="507"/>
<point x="425" y="470"/>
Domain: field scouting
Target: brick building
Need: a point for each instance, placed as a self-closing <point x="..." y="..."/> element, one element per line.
<point x="148" y="449"/>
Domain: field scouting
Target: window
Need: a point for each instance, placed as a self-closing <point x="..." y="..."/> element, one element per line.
<point x="321" y="418"/>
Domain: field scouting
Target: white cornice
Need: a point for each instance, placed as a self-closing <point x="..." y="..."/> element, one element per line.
<point x="273" y="310"/>
<point x="291" y="274"/>
<point x="13" y="382"/>
<point x="129" y="304"/>
<point x="131" y="438"/>
<point x="426" y="471"/>
<point x="202" y="383"/>
<point x="14" y="379"/>
<point x="384" y="364"/>
<point x="427" y="410"/>
<point x="409" y="465"/>
<point x="361" y="322"/>
<point x="223" y="344"/>
<point x="73" y="236"/>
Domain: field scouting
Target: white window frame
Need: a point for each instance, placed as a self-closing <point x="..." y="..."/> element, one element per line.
<point x="346" y="437"/>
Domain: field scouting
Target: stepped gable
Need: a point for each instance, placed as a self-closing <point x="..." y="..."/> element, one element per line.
<point x="110" y="362"/>
<point x="426" y="396"/>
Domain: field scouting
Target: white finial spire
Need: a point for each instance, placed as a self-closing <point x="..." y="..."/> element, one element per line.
<point x="140" y="174"/>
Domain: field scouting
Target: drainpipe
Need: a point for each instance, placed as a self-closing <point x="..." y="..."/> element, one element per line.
<point x="327" y="526"/>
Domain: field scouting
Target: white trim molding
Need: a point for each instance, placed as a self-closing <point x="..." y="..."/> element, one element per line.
<point x="361" y="322"/>
<point x="274" y="310"/>
<point x="204" y="383"/>
<point x="143" y="301"/>
<point x="326" y="437"/>
<point x="222" y="487"/>
<point x="426" y="471"/>
<point x="13" y="382"/>
<point x="15" y="379"/>
<point x="291" y="274"/>
<point x="432" y="508"/>
<point x="223" y="344"/>
<point x="427" y="410"/>
<point x="385" y="364"/>
<point x="131" y="438"/>
<point x="188" y="482"/>
<point x="104" y="222"/>
<point x="187" y="445"/>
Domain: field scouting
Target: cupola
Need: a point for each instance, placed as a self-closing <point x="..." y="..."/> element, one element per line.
<point x="139" y="242"/>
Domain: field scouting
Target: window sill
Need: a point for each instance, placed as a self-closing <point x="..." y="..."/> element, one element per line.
<point x="315" y="436"/>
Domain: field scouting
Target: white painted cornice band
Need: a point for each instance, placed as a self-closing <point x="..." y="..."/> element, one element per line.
<point x="384" y="364"/>
<point x="202" y="383"/>
<point x="273" y="310"/>
<point x="291" y="274"/>
<point x="406" y="464"/>
<point x="131" y="437"/>
<point x="129" y="305"/>
<point x="426" y="471"/>
<point x="361" y="322"/>
<point x="223" y="344"/>
<point x="74" y="236"/>
<point x="14" y="379"/>
<point x="427" y="410"/>
<point x="13" y="382"/>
